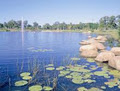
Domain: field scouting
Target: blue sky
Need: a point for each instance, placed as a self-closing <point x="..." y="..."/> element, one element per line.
<point x="49" y="11"/>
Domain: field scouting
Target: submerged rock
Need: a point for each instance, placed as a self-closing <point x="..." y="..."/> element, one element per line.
<point x="105" y="56"/>
<point x="115" y="62"/>
<point x="116" y="51"/>
<point x="89" y="53"/>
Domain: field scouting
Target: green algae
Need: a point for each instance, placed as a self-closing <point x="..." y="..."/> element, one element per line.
<point x="47" y="88"/>
<point x="35" y="88"/>
<point x="24" y="74"/>
<point x="21" y="83"/>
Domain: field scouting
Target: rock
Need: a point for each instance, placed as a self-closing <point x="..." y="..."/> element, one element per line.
<point x="101" y="38"/>
<point x="116" y="51"/>
<point x="92" y="40"/>
<point x="105" y="56"/>
<point x="99" y="46"/>
<point x="89" y="37"/>
<point x="87" y="48"/>
<point x="84" y="43"/>
<point x="89" y="53"/>
<point x="115" y="62"/>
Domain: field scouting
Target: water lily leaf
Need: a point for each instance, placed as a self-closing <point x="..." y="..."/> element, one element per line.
<point x="35" y="88"/>
<point x="60" y="68"/>
<point x="90" y="60"/>
<point x="50" y="65"/>
<point x="24" y="74"/>
<point x="82" y="89"/>
<point x="27" y="77"/>
<point x="75" y="59"/>
<point x="50" y="68"/>
<point x="21" y="83"/>
<point x="47" y="88"/>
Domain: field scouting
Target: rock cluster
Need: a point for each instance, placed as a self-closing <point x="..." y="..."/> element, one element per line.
<point x="94" y="48"/>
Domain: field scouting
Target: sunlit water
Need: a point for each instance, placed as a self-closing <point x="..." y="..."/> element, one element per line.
<point x="16" y="48"/>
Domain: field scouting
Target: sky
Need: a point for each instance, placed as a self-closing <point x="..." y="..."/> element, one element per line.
<point x="49" y="11"/>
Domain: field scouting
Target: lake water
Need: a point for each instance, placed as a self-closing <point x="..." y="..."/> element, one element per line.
<point x="18" y="50"/>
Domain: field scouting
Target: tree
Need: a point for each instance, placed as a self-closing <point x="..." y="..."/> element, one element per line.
<point x="1" y="25"/>
<point x="25" y="23"/>
<point x="35" y="25"/>
<point x="47" y="26"/>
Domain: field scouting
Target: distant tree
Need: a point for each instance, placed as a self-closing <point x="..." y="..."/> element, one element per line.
<point x="12" y="24"/>
<point x="112" y="22"/>
<point x="70" y="26"/>
<point x="35" y="25"/>
<point x="19" y="23"/>
<point x="25" y="23"/>
<point x="47" y="26"/>
<point x="1" y="25"/>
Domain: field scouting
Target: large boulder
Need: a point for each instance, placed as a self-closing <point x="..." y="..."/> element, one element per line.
<point x="92" y="40"/>
<point x="105" y="56"/>
<point x="89" y="54"/>
<point x="116" y="51"/>
<point x="87" y="48"/>
<point x="101" y="38"/>
<point x="84" y="42"/>
<point x="99" y="46"/>
<point x="115" y="62"/>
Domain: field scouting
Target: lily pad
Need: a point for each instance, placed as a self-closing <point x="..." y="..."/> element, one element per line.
<point x="27" y="77"/>
<point x="90" y="60"/>
<point x="50" y="65"/>
<point x="82" y="89"/>
<point x="21" y="83"/>
<point x="35" y="88"/>
<point x="60" y="68"/>
<point x="24" y="74"/>
<point x="75" y="59"/>
<point x="50" y="68"/>
<point x="47" y="88"/>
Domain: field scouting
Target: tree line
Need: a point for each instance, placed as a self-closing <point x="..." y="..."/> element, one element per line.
<point x="105" y="23"/>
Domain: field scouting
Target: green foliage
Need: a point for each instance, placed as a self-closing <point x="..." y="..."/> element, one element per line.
<point x="105" y="23"/>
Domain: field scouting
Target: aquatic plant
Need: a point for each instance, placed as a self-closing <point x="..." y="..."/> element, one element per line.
<point x="60" y="68"/>
<point x="81" y="89"/>
<point x="90" y="60"/>
<point x="50" y="68"/>
<point x="35" y="88"/>
<point x="24" y="74"/>
<point x="47" y="88"/>
<point x="50" y="65"/>
<point x="26" y="77"/>
<point x="64" y="72"/>
<point x="75" y="59"/>
<point x="21" y="83"/>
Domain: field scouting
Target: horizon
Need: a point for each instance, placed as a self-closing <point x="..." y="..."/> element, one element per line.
<point x="50" y="11"/>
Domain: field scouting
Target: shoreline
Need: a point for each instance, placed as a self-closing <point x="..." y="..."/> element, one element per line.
<point x="113" y="33"/>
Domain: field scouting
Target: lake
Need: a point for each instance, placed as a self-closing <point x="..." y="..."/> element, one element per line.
<point x="41" y="53"/>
